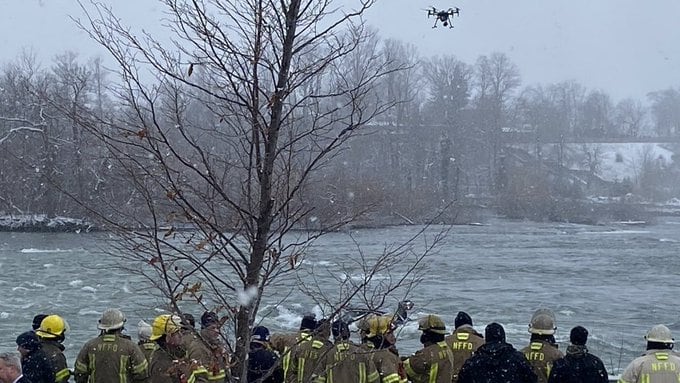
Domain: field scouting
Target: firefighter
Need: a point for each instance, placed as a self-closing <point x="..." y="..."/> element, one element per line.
<point x="284" y="343"/>
<point x="434" y="362"/>
<point x="306" y="356"/>
<point x="143" y="334"/>
<point x="263" y="363"/>
<point x="658" y="364"/>
<point x="207" y="348"/>
<point x="464" y="341"/>
<point x="347" y="362"/>
<point x="112" y="357"/>
<point x="384" y="354"/>
<point x="542" y="350"/>
<point x="52" y="333"/>
<point x="168" y="362"/>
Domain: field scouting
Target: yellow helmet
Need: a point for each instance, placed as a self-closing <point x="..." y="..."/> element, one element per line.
<point x="53" y="326"/>
<point x="165" y="324"/>
<point x="379" y="325"/>
<point x="432" y="323"/>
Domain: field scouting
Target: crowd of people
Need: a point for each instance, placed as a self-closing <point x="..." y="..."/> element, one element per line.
<point x="172" y="349"/>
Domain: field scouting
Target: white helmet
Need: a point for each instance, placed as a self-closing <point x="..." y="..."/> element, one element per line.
<point x="143" y="331"/>
<point x="542" y="322"/>
<point x="659" y="333"/>
<point x="112" y="319"/>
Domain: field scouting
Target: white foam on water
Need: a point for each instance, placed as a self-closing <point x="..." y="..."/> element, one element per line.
<point x="48" y="265"/>
<point x="615" y="232"/>
<point x="75" y="283"/>
<point x="89" y="289"/>
<point x="31" y="250"/>
<point x="19" y="288"/>
<point x="126" y="288"/>
<point x="89" y="312"/>
<point x="4" y="315"/>
<point x="36" y="284"/>
<point x="667" y="240"/>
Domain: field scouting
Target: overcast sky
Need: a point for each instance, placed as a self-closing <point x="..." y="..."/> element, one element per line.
<point x="624" y="47"/>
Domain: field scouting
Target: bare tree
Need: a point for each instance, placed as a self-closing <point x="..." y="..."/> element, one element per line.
<point x="496" y="79"/>
<point x="246" y="103"/>
<point x="629" y="117"/>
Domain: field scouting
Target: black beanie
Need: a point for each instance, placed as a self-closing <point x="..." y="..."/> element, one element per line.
<point x="309" y="322"/>
<point x="462" y="318"/>
<point x="37" y="321"/>
<point x="28" y="340"/>
<point x="578" y="336"/>
<point x="494" y="333"/>
<point x="209" y="318"/>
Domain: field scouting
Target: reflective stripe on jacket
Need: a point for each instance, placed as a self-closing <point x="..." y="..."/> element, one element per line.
<point x="541" y="355"/>
<point x="432" y="364"/>
<point x="110" y="358"/>
<point x="348" y="363"/>
<point x="656" y="366"/>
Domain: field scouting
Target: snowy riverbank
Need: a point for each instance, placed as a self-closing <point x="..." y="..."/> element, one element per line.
<point x="41" y="223"/>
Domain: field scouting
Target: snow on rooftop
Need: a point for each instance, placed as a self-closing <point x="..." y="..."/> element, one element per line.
<point x="620" y="160"/>
<point x="614" y="161"/>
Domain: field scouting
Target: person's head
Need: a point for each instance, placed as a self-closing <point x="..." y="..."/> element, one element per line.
<point x="210" y="320"/>
<point x="112" y="320"/>
<point x="37" y="320"/>
<point x="578" y="336"/>
<point x="340" y="330"/>
<point x="165" y="330"/>
<point x="659" y="338"/>
<point x="380" y="331"/>
<point x="433" y="328"/>
<point x="10" y="367"/>
<point x="462" y="319"/>
<point x="323" y="329"/>
<point x="52" y="327"/>
<point x="27" y="342"/>
<point x="188" y="321"/>
<point x="494" y="333"/>
<point x="259" y="337"/>
<point x="143" y="331"/>
<point x="542" y="322"/>
<point x="309" y="323"/>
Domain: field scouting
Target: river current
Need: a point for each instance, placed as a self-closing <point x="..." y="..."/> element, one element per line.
<point x="616" y="280"/>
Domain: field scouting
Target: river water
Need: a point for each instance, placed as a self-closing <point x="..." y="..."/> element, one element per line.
<point x="616" y="280"/>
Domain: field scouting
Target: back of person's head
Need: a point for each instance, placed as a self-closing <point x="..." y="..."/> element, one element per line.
<point x="659" y="338"/>
<point x="208" y="319"/>
<point x="37" y="320"/>
<point x="260" y="335"/>
<point x="494" y="333"/>
<point x="578" y="336"/>
<point x="340" y="330"/>
<point x="462" y="319"/>
<point x="309" y="323"/>
<point x="188" y="321"/>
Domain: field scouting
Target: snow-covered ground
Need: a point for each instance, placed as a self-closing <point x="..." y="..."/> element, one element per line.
<point x="611" y="161"/>
<point x="40" y="222"/>
<point x="617" y="161"/>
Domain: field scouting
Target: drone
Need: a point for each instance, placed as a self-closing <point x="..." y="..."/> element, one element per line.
<point x="443" y="16"/>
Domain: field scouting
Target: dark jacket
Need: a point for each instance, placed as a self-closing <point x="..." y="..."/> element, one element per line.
<point x="36" y="367"/>
<point x="497" y="362"/>
<point x="578" y="366"/>
<point x="260" y="361"/>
